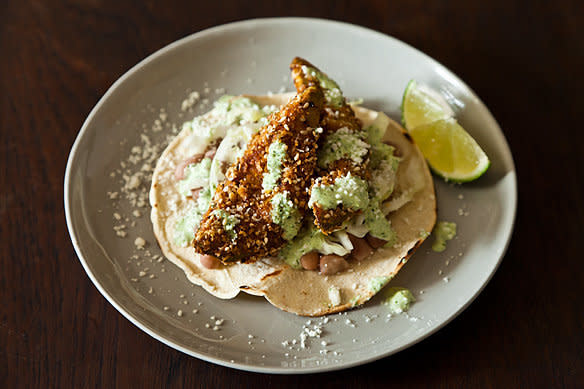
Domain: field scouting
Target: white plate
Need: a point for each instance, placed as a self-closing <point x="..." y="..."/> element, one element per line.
<point x="253" y="57"/>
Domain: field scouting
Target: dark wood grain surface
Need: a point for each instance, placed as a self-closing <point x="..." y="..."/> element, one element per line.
<point x="525" y="60"/>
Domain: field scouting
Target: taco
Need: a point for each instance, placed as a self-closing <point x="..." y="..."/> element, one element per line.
<point x="239" y="198"/>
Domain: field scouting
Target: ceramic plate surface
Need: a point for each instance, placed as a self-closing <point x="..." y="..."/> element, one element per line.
<point x="140" y="110"/>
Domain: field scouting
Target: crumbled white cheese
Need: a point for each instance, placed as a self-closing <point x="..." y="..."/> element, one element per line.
<point x="133" y="182"/>
<point x="140" y="243"/>
<point x="350" y="323"/>
<point x="190" y="101"/>
<point x="334" y="296"/>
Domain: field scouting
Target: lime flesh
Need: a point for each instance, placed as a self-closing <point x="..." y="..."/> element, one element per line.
<point x="421" y="105"/>
<point x="450" y="151"/>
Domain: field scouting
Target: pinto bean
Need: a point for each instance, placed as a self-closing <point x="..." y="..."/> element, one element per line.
<point x="209" y="262"/>
<point x="375" y="242"/>
<point x="331" y="264"/>
<point x="309" y="261"/>
<point x="179" y="172"/>
<point x="361" y="249"/>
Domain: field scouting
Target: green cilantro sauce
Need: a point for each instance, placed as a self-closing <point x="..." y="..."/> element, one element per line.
<point x="332" y="92"/>
<point x="184" y="230"/>
<point x="349" y="191"/>
<point x="444" y="231"/>
<point x="399" y="299"/>
<point x="286" y="215"/>
<point x="275" y="159"/>
<point x="377" y="223"/>
<point x="233" y="110"/>
<point x="196" y="176"/>
<point x="309" y="239"/>
<point x="383" y="165"/>
<point x="376" y="283"/>
<point x="343" y="143"/>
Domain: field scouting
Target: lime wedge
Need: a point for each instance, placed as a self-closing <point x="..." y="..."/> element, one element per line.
<point x="421" y="105"/>
<point x="450" y="151"/>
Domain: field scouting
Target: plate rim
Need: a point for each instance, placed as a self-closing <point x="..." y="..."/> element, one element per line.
<point x="243" y="366"/>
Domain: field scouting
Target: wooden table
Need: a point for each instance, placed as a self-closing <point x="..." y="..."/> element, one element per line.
<point x="526" y="62"/>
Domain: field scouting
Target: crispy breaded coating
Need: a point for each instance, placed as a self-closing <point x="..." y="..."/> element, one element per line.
<point x="238" y="225"/>
<point x="337" y="114"/>
<point x="335" y="117"/>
